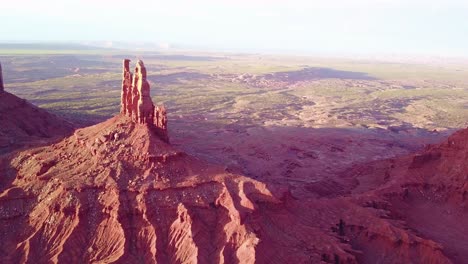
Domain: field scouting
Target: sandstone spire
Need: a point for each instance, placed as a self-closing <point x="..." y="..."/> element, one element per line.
<point x="145" y="105"/>
<point x="1" y="78"/>
<point x="125" y="102"/>
<point x="136" y="100"/>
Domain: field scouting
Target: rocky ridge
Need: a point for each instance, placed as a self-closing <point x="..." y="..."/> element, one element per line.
<point x="23" y="124"/>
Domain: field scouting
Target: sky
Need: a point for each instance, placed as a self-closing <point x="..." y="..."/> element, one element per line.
<point x="419" y="27"/>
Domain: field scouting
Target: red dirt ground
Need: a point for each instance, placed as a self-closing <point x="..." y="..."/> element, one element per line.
<point x="115" y="192"/>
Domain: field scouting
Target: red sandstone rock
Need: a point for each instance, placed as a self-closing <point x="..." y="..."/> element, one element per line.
<point x="137" y="199"/>
<point x="117" y="192"/>
<point x="145" y="104"/>
<point x="126" y="98"/>
<point x="426" y="191"/>
<point x="136" y="100"/>
<point x="160" y="122"/>
<point x="22" y="124"/>
<point x="160" y="117"/>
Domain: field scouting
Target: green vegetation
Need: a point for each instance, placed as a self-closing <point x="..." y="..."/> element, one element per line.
<point x="83" y="85"/>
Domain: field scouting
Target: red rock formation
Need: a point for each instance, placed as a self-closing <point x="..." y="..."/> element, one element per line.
<point x="126" y="97"/>
<point x="115" y="192"/>
<point x="160" y="122"/>
<point x="145" y="107"/>
<point x="426" y="191"/>
<point x="136" y="100"/>
<point x="1" y="79"/>
<point x="22" y="124"/>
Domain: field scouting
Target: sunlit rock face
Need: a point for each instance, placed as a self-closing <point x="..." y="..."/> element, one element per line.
<point x="136" y="101"/>
<point x="118" y="192"/>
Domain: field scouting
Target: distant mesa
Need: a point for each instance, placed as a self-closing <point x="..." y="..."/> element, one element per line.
<point x="136" y="100"/>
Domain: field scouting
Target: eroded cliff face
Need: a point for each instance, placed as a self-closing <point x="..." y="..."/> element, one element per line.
<point x="426" y="192"/>
<point x="118" y="192"/>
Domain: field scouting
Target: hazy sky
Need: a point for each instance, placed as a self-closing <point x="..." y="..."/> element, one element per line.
<point x="357" y="26"/>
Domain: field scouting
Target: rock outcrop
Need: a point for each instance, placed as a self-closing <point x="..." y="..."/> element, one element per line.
<point x="132" y="198"/>
<point x="117" y="192"/>
<point x="136" y="101"/>
<point x="1" y="79"/>
<point x="126" y="94"/>
<point x="427" y="192"/>
<point x="24" y="124"/>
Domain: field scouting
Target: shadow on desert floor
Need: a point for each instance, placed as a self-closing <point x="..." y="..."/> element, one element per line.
<point x="316" y="73"/>
<point x="294" y="154"/>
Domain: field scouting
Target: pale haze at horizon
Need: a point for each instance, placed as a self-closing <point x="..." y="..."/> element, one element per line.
<point x="363" y="26"/>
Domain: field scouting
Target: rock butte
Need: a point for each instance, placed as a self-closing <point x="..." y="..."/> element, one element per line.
<point x="117" y="192"/>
